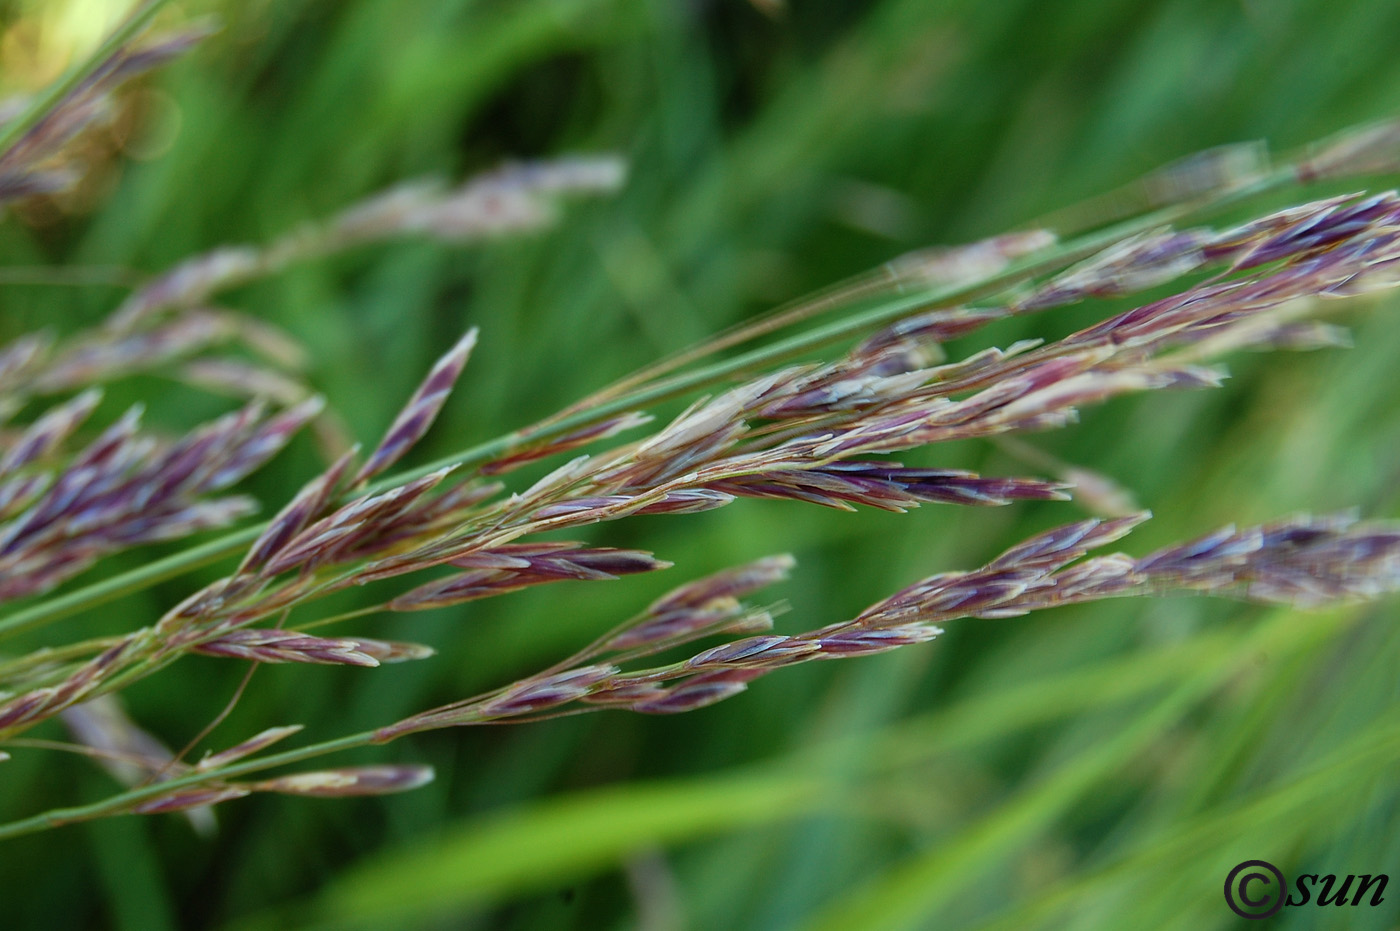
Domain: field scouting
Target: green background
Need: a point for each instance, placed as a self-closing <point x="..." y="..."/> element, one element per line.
<point x="1098" y="767"/>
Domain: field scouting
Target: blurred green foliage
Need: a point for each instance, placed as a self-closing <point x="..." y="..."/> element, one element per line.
<point x="1097" y="767"/>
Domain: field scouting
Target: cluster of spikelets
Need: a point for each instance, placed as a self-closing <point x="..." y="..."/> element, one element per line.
<point x="818" y="433"/>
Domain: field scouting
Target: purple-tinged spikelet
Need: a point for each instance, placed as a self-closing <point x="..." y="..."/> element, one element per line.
<point x="527" y="697"/>
<point x="864" y="642"/>
<point x="1057" y="547"/>
<point x="420" y="411"/>
<point x="255" y="744"/>
<point x="530" y="452"/>
<point x="185" y="799"/>
<point x="765" y="652"/>
<point x="735" y="582"/>
<point x="350" y="781"/>
<point x="888" y="486"/>
<point x="547" y="692"/>
<point x="47" y="433"/>
<point x="516" y="566"/>
<point x="305" y="506"/>
<point x="187" y="284"/>
<point x="351" y="526"/>
<point x="698" y="692"/>
<point x="1128" y="267"/>
<point x="289" y="646"/>
<point x="932" y="326"/>
<point x="678" y="625"/>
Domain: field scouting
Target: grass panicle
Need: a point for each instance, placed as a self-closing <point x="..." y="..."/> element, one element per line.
<point x="809" y="410"/>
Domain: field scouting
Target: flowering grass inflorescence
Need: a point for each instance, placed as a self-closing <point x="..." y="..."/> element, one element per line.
<point x="812" y="432"/>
